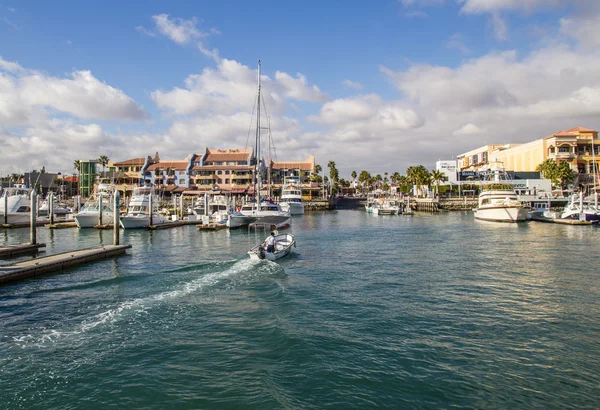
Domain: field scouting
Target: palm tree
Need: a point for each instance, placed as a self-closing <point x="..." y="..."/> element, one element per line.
<point x="353" y="175"/>
<point x="436" y="177"/>
<point x="77" y="165"/>
<point x="318" y="169"/>
<point x="103" y="160"/>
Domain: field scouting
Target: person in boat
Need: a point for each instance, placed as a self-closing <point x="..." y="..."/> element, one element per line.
<point x="270" y="243"/>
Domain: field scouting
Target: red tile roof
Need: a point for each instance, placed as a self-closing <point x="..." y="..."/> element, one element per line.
<point x="133" y="161"/>
<point x="581" y="129"/>
<point x="175" y="165"/>
<point x="221" y="155"/>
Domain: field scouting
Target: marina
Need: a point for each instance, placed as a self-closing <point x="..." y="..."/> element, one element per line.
<point x="362" y="297"/>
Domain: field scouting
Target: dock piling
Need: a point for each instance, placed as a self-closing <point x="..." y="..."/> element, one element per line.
<point x="32" y="219"/>
<point x="116" y="219"/>
<point x="5" y="210"/>
<point x="51" y="207"/>
<point x="150" y="208"/>
<point x="101" y="208"/>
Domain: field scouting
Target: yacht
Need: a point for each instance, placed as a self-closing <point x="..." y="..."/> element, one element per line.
<point x="498" y="201"/>
<point x="139" y="212"/>
<point x="385" y="206"/>
<point x="291" y="196"/>
<point x="59" y="208"/>
<point x="91" y="214"/>
<point x="250" y="213"/>
<point x="219" y="209"/>
<point x="581" y="210"/>
<point x="16" y="202"/>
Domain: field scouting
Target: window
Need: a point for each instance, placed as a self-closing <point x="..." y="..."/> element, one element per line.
<point x="219" y="181"/>
<point x="227" y="172"/>
<point x="220" y="172"/>
<point x="564" y="149"/>
<point x="182" y="182"/>
<point x="227" y="181"/>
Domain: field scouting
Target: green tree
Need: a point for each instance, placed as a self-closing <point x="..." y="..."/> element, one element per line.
<point x="77" y="165"/>
<point x="103" y="160"/>
<point x="437" y="176"/>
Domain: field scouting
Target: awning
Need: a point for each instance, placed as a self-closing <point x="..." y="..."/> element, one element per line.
<point x="238" y="191"/>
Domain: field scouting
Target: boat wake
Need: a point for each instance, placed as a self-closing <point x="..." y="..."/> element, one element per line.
<point x="230" y="274"/>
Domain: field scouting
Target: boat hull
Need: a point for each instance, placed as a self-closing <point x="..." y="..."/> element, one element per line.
<point x="139" y="222"/>
<point x="91" y="219"/>
<point x="283" y="248"/>
<point x="294" y="208"/>
<point x="501" y="214"/>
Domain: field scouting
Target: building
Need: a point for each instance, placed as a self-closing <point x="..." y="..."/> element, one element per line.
<point x="87" y="177"/>
<point x="448" y="168"/>
<point x="573" y="146"/>
<point x="302" y="169"/>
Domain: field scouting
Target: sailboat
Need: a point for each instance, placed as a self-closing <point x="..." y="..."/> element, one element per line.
<point x="252" y="211"/>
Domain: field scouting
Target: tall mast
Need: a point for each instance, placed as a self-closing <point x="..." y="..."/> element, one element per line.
<point x="257" y="143"/>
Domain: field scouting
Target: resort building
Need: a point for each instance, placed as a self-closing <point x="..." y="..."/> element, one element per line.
<point x="448" y="168"/>
<point x="302" y="169"/>
<point x="573" y="146"/>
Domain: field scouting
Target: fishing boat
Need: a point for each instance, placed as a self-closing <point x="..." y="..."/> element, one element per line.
<point x="141" y="211"/>
<point x="283" y="242"/>
<point x="291" y="196"/>
<point x="15" y="206"/>
<point x="497" y="200"/>
<point x="98" y="210"/>
<point x="385" y="206"/>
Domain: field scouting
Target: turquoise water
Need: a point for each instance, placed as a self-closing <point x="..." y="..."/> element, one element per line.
<point x="426" y="311"/>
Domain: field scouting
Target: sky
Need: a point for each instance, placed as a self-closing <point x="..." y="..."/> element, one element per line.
<point x="371" y="85"/>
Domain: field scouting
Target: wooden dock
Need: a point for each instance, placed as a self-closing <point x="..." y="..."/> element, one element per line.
<point x="23" y="225"/>
<point x="58" y="262"/>
<point x="212" y="227"/>
<point x="560" y="221"/>
<point x="19" y="249"/>
<point x="62" y="225"/>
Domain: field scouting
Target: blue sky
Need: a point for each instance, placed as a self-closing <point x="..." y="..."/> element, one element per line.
<point x="378" y="85"/>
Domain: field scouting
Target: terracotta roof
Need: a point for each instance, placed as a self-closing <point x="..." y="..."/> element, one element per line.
<point x="304" y="166"/>
<point x="237" y="154"/>
<point x="133" y="161"/>
<point x="222" y="167"/>
<point x="581" y="129"/>
<point x="175" y="165"/>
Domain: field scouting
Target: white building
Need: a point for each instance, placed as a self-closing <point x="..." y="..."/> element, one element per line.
<point x="448" y="168"/>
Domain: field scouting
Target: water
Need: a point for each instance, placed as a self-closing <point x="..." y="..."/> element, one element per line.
<point x="426" y="311"/>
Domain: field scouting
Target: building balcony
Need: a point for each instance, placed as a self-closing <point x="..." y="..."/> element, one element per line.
<point x="562" y="155"/>
<point x="205" y="177"/>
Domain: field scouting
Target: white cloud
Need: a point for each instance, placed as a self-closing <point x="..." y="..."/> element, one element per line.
<point x="231" y="87"/>
<point x="467" y="129"/>
<point x="352" y="84"/>
<point x="499" y="26"/>
<point x="456" y="42"/>
<point x="416" y="14"/>
<point x="28" y="97"/>
<point x="145" y="31"/>
<point x="179" y="30"/>
<point x="10" y="66"/>
<point x="492" y="6"/>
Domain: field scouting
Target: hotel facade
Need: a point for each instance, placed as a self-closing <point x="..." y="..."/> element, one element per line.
<point x="578" y="146"/>
<point x="228" y="171"/>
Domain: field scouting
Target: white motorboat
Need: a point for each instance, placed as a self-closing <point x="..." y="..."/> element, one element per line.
<point x="90" y="214"/>
<point x="139" y="212"/>
<point x="59" y="208"/>
<point x="15" y="206"/>
<point x="283" y="242"/>
<point x="291" y="196"/>
<point x="500" y="205"/>
<point x="580" y="210"/>
<point x="385" y="206"/>
<point x="497" y="200"/>
<point x="249" y="213"/>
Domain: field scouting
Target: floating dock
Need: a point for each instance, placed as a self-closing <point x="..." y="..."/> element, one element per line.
<point x="62" y="225"/>
<point x="20" y="249"/>
<point x="561" y="221"/>
<point x="58" y="262"/>
<point x="212" y="227"/>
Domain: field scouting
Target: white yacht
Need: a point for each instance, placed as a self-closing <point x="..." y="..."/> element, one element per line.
<point x="249" y="213"/>
<point x="139" y="212"/>
<point x="219" y="209"/>
<point x="385" y="206"/>
<point x="17" y="202"/>
<point x="291" y="196"/>
<point x="580" y="209"/>
<point x="498" y="201"/>
<point x="59" y="208"/>
<point x="90" y="214"/>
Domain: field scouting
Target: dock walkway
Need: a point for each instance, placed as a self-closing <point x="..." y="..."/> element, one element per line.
<point x="58" y="262"/>
<point x="19" y="249"/>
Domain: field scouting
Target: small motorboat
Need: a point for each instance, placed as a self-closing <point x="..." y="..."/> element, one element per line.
<point x="283" y="247"/>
